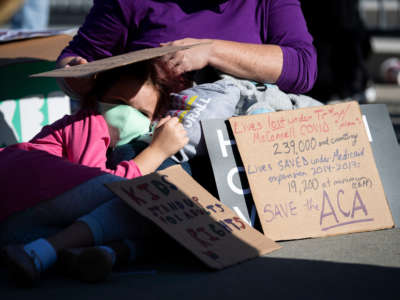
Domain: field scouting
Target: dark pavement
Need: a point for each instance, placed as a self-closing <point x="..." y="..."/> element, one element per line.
<point x="354" y="266"/>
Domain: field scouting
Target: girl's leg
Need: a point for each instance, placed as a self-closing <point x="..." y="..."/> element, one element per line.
<point x="112" y="220"/>
<point x="48" y="218"/>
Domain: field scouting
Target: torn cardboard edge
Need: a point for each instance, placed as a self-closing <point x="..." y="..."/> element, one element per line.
<point x="113" y="62"/>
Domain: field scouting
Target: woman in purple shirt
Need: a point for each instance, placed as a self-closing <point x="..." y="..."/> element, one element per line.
<point x="260" y="40"/>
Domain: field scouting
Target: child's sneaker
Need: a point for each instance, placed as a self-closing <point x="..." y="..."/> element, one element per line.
<point x="20" y="265"/>
<point x="91" y="264"/>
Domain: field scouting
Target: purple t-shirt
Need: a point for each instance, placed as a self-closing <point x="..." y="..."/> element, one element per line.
<point x="114" y="27"/>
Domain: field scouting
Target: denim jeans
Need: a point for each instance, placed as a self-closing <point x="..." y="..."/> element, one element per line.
<point x="91" y="202"/>
<point x="33" y="15"/>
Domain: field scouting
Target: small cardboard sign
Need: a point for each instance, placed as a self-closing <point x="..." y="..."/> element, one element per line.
<point x="187" y="212"/>
<point x="112" y="62"/>
<point x="311" y="172"/>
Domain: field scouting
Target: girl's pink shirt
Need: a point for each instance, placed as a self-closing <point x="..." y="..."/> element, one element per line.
<point x="63" y="155"/>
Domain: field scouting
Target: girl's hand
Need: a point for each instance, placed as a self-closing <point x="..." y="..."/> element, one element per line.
<point x="191" y="59"/>
<point x="169" y="137"/>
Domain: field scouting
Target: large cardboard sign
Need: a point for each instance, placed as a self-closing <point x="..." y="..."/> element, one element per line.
<point x="112" y="62"/>
<point x="311" y="172"/>
<point x="230" y="177"/>
<point x="181" y="207"/>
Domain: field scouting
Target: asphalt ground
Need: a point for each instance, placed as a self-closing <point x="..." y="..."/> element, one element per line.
<point x="353" y="266"/>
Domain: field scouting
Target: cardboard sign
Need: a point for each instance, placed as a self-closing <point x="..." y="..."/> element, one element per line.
<point x="230" y="177"/>
<point x="112" y="62"/>
<point x="181" y="207"/>
<point x="311" y="172"/>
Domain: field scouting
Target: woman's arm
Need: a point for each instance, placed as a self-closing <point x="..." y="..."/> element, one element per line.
<point x="288" y="57"/>
<point x="104" y="34"/>
<point x="261" y="63"/>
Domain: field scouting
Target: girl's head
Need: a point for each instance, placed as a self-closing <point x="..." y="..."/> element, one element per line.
<point x="145" y="86"/>
<point x="139" y="94"/>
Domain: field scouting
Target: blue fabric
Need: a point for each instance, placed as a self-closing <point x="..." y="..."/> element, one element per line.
<point x="33" y="15"/>
<point x="47" y="218"/>
<point x="43" y="254"/>
<point x="115" y="220"/>
<point x="95" y="227"/>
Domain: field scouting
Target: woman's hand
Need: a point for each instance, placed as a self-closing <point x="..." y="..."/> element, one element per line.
<point x="72" y="61"/>
<point x="191" y="59"/>
<point x="80" y="86"/>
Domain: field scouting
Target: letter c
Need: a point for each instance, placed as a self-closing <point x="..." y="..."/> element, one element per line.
<point x="338" y="204"/>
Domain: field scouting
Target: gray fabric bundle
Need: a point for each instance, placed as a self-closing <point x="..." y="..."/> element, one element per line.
<point x="216" y="100"/>
<point x="269" y="99"/>
<point x="223" y="99"/>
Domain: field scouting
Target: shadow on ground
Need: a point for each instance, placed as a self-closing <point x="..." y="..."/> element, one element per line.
<point x="186" y="278"/>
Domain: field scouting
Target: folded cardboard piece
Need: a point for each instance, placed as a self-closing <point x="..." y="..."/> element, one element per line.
<point x="39" y="48"/>
<point x="312" y="172"/>
<point x="113" y="62"/>
<point x="175" y="202"/>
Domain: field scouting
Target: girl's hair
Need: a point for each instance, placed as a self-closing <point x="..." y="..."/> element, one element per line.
<point x="154" y="70"/>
